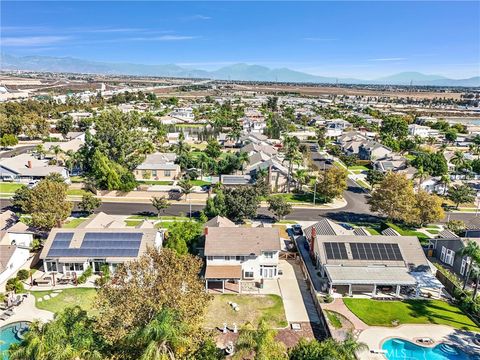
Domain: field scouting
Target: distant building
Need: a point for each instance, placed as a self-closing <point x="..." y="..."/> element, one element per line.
<point x="26" y="167"/>
<point x="158" y="166"/>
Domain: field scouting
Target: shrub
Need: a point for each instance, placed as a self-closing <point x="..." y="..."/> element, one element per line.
<point x="82" y="279"/>
<point x="328" y="298"/>
<point x="15" y="285"/>
<point x="23" y="274"/>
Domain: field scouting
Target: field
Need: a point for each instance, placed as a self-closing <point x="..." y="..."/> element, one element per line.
<point x="253" y="309"/>
<point x="383" y="313"/>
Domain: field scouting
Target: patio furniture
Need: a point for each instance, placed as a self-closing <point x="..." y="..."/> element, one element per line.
<point x="43" y="281"/>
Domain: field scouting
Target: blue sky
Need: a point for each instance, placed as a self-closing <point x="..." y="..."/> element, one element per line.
<point x="345" y="39"/>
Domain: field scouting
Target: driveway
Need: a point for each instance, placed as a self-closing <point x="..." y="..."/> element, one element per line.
<point x="298" y="302"/>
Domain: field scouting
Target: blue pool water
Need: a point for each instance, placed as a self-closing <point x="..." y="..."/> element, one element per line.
<point x="398" y="349"/>
<point x="10" y="335"/>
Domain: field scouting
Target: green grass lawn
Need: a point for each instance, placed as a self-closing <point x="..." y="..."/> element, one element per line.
<point x="373" y="231"/>
<point x="199" y="182"/>
<point x="301" y="198"/>
<point x="76" y="192"/>
<point x="77" y="179"/>
<point x="253" y="308"/>
<point x="382" y="313"/>
<point x="433" y="232"/>
<point x="155" y="182"/>
<point x="358" y="167"/>
<point x="73" y="223"/>
<point x="9" y="188"/>
<point x="154" y="217"/>
<point x="362" y="184"/>
<point x="132" y="222"/>
<point x="333" y="318"/>
<point x="84" y="297"/>
<point x="409" y="232"/>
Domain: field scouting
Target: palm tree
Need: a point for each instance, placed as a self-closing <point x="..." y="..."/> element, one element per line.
<point x="421" y="175"/>
<point x="458" y="160"/>
<point x="186" y="187"/>
<point x="40" y="151"/>
<point x="302" y="177"/>
<point x="431" y="140"/>
<point x="350" y="347"/>
<point x="203" y="162"/>
<point x="445" y="181"/>
<point x="165" y="337"/>
<point x="242" y="159"/>
<point x="57" y="150"/>
<point x="475" y="150"/>
<point x="260" y="342"/>
<point x="472" y="252"/>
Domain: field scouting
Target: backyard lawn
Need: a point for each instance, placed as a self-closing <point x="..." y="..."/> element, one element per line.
<point x="9" y="188"/>
<point x="383" y="313"/>
<point x="83" y="297"/>
<point x="253" y="309"/>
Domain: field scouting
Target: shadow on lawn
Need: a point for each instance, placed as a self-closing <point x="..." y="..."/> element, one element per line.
<point x="429" y="310"/>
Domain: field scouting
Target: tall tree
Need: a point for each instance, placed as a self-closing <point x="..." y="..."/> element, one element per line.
<point x="394" y="197"/>
<point x="186" y="187"/>
<point x="332" y="183"/>
<point x="428" y="208"/>
<point x="461" y="194"/>
<point x="471" y="251"/>
<point x="260" y="343"/>
<point x="89" y="203"/>
<point x="160" y="203"/>
<point x="279" y="206"/>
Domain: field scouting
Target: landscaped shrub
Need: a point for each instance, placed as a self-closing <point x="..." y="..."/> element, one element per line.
<point x="22" y="274"/>
<point x="328" y="298"/>
<point x="82" y="279"/>
<point x="15" y="285"/>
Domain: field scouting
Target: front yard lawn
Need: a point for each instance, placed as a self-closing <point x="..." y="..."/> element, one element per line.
<point x="84" y="297"/>
<point x="383" y="313"/>
<point x="155" y="182"/>
<point x="409" y="232"/>
<point x="253" y="309"/>
<point x="73" y="223"/>
<point x="199" y="182"/>
<point x="9" y="188"/>
<point x="76" y="192"/>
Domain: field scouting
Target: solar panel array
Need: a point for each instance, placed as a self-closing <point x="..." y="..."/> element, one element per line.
<point x="376" y="251"/>
<point x="97" y="245"/>
<point x="335" y="251"/>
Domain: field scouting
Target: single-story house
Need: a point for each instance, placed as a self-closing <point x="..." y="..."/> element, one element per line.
<point x="12" y="258"/>
<point x="158" y="166"/>
<point x="238" y="254"/>
<point x="74" y="250"/>
<point x="26" y="167"/>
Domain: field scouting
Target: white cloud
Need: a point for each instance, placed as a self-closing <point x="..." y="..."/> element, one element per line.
<point x="197" y="17"/>
<point x="33" y="40"/>
<point x="389" y="59"/>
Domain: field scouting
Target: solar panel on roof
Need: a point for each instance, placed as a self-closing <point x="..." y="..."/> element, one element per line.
<point x="376" y="251"/>
<point x="335" y="250"/>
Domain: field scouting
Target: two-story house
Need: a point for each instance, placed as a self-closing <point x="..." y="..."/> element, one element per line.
<point x="237" y="254"/>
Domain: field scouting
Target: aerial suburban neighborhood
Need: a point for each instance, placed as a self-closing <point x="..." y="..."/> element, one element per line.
<point x="210" y="215"/>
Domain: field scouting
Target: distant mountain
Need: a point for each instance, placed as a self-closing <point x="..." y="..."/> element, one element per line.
<point x="244" y="72"/>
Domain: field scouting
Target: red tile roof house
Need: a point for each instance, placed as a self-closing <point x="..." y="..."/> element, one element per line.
<point x="235" y="255"/>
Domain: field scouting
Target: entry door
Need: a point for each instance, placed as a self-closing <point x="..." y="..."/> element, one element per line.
<point x="97" y="265"/>
<point x="269" y="272"/>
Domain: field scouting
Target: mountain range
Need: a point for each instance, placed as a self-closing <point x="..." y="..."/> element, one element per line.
<point x="243" y="72"/>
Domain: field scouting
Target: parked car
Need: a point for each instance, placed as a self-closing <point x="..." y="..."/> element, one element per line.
<point x="297" y="229"/>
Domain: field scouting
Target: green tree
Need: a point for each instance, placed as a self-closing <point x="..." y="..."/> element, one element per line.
<point x="301" y="177"/>
<point x="394" y="126"/>
<point x="421" y="175"/>
<point x="374" y="177"/>
<point x="70" y="335"/>
<point x="472" y="252"/>
<point x="279" y="206"/>
<point x="64" y="125"/>
<point x="461" y="194"/>
<point x="186" y="187"/>
<point x="260" y="343"/>
<point x="164" y="337"/>
<point x="213" y="149"/>
<point x="109" y="175"/>
<point x="8" y="140"/>
<point x="48" y="204"/>
<point x="451" y="135"/>
<point x="321" y="139"/>
<point x="326" y="349"/>
<point x="183" y="235"/>
<point x="456" y="226"/>
<point x="428" y="208"/>
<point x="331" y="183"/>
<point x="241" y="203"/>
<point x="394" y="197"/>
<point x="159" y="203"/>
<point x="21" y="199"/>
<point x="89" y="203"/>
<point x="433" y="163"/>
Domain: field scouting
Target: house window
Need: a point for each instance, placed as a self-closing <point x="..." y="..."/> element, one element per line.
<point x="210" y="258"/>
<point x="227" y="258"/>
<point x="218" y="258"/>
<point x="51" y="266"/>
<point x="463" y="266"/>
<point x="248" y="274"/>
<point x="268" y="254"/>
<point x="449" y="256"/>
<point x="167" y="173"/>
<point x="442" y="255"/>
<point x="239" y="258"/>
<point x="154" y="172"/>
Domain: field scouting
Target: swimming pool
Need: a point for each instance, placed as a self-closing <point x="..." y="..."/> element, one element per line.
<point x="398" y="349"/>
<point x="11" y="334"/>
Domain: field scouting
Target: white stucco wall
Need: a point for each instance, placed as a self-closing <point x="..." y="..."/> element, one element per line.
<point x="18" y="259"/>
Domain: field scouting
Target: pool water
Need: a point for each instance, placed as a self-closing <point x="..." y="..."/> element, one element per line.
<point x="9" y="335"/>
<point x="398" y="349"/>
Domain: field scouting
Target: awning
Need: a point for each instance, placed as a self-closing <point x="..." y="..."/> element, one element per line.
<point x="369" y="275"/>
<point x="223" y="272"/>
<point x="69" y="259"/>
<point x="427" y="280"/>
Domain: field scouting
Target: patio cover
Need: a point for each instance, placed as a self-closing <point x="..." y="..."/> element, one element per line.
<point x="223" y="272"/>
<point x="369" y="275"/>
<point x="427" y="280"/>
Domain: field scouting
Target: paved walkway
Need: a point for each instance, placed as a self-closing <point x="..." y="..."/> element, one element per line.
<point x="27" y="311"/>
<point x="376" y="335"/>
<point x="298" y="302"/>
<point x="339" y="306"/>
<point x="300" y="240"/>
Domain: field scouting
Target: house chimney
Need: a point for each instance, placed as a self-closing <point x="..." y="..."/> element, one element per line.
<point x="205" y="232"/>
<point x="312" y="242"/>
<point x="29" y="164"/>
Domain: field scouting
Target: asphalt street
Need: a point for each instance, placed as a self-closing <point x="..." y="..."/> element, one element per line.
<point x="17" y="151"/>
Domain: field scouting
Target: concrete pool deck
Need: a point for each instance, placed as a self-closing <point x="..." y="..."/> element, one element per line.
<point x="27" y="311"/>
<point x="374" y="337"/>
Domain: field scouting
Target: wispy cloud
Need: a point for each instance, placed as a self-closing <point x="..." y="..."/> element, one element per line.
<point x="196" y="17"/>
<point x="163" y="38"/>
<point x="33" y="40"/>
<point x="318" y="39"/>
<point x="389" y="59"/>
